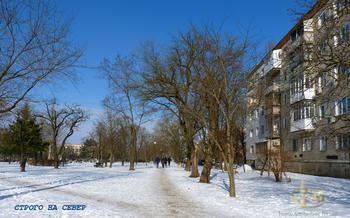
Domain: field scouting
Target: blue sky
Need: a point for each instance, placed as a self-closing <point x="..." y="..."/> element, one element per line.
<point x="105" y="28"/>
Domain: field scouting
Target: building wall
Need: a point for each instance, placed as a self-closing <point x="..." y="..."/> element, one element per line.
<point x="331" y="161"/>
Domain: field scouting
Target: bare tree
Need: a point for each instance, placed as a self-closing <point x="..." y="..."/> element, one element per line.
<point x="201" y="80"/>
<point x="122" y="76"/>
<point x="223" y="65"/>
<point x="35" y="48"/>
<point x="61" y="123"/>
<point x="167" y="82"/>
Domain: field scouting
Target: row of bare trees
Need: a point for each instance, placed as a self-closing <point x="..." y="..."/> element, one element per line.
<point x="199" y="79"/>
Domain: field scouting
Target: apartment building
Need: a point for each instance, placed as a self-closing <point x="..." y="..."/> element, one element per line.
<point x="299" y="96"/>
<point x="263" y="121"/>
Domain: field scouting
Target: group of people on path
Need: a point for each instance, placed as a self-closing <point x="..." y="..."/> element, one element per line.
<point x="164" y="161"/>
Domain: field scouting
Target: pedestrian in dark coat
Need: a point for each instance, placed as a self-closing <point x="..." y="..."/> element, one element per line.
<point x="163" y="162"/>
<point x="169" y="160"/>
<point x="157" y="160"/>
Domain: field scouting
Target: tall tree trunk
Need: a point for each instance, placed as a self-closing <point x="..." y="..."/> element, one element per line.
<point x="277" y="176"/>
<point x="194" y="160"/>
<point x="231" y="176"/>
<point x="49" y="157"/>
<point x="188" y="160"/>
<point x="23" y="162"/>
<point x="205" y="176"/>
<point x="111" y="160"/>
<point x="55" y="156"/>
<point x="230" y="169"/>
<point x="213" y="125"/>
<point x="100" y="155"/>
<point x="189" y="145"/>
<point x="133" y="148"/>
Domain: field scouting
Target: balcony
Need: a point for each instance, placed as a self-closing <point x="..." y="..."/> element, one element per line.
<point x="273" y="110"/>
<point x="274" y="145"/>
<point x="272" y="61"/>
<point x="295" y="43"/>
<point x="275" y="87"/>
<point x="306" y="94"/>
<point x="274" y="133"/>
<point x="301" y="125"/>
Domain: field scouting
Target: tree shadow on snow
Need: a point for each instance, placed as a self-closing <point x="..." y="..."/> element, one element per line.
<point x="225" y="186"/>
<point x="64" y="184"/>
<point x="213" y="176"/>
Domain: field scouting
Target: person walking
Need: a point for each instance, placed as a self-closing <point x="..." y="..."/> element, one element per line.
<point x="169" y="160"/>
<point x="163" y="162"/>
<point x="157" y="160"/>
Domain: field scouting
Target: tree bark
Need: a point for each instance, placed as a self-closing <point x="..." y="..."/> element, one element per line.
<point x="213" y="126"/>
<point x="277" y="176"/>
<point x="205" y="176"/>
<point x="111" y="160"/>
<point x="194" y="160"/>
<point x="133" y="148"/>
<point x="55" y="156"/>
<point x="231" y="176"/>
<point x="23" y="163"/>
<point x="188" y="161"/>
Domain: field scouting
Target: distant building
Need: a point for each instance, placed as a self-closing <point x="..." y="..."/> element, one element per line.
<point x="76" y="148"/>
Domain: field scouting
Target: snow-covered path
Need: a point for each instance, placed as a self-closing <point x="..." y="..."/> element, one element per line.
<point x="152" y="192"/>
<point x="179" y="205"/>
<point x="115" y="192"/>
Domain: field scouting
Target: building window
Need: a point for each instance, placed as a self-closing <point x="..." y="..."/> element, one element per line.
<point x="303" y="110"/>
<point x="307" y="144"/>
<point x="342" y="141"/>
<point x="295" y="145"/>
<point x="322" y="111"/>
<point x="257" y="131"/>
<point x="345" y="32"/>
<point x="262" y="127"/>
<point x="322" y="81"/>
<point x="341" y="4"/>
<point x="285" y="123"/>
<point x="251" y="133"/>
<point x="251" y="150"/>
<point x="322" y="18"/>
<point x="309" y="111"/>
<point x="285" y="98"/>
<point x="344" y="71"/>
<point x="323" y="143"/>
<point x="323" y="46"/>
<point x="308" y="56"/>
<point x="297" y="84"/>
<point x="307" y="82"/>
<point x="342" y="106"/>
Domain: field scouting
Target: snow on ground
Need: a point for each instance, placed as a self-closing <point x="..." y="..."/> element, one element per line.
<point x="262" y="197"/>
<point x="152" y="192"/>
